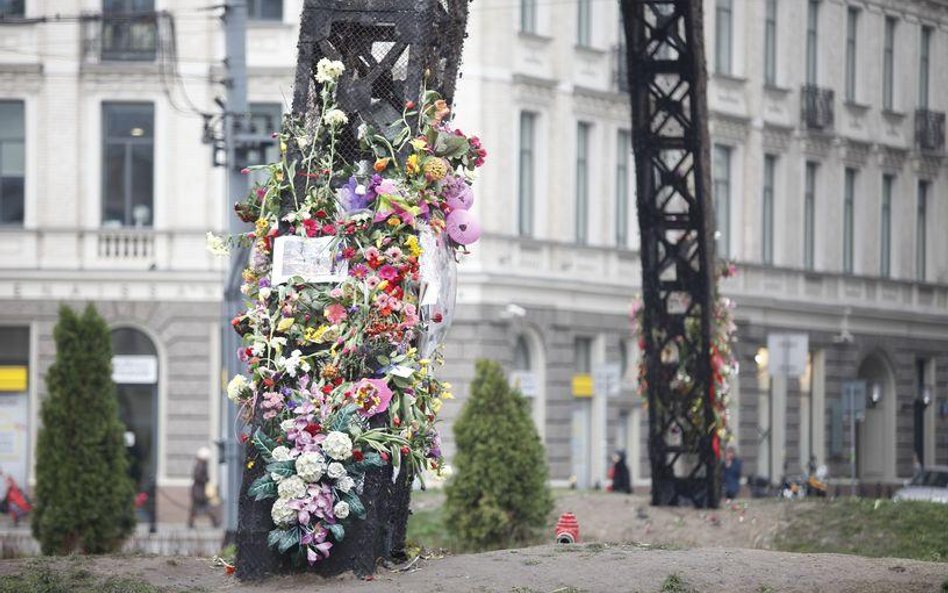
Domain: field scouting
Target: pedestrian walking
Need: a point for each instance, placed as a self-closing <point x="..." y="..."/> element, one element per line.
<point x="731" y="473"/>
<point x="619" y="473"/>
<point x="200" y="501"/>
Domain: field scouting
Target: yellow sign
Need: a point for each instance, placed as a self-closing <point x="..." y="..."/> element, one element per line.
<point x="13" y="378"/>
<point x="582" y="385"/>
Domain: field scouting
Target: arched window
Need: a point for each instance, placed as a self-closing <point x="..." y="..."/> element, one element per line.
<point x="521" y="361"/>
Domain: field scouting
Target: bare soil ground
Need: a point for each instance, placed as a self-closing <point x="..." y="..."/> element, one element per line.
<point x="552" y="568"/>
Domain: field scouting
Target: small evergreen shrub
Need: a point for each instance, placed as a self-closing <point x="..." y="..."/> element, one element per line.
<point x="84" y="495"/>
<point x="499" y="496"/>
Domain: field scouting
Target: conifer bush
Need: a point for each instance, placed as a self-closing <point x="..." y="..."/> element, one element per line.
<point x="84" y="495"/>
<point x="499" y="496"/>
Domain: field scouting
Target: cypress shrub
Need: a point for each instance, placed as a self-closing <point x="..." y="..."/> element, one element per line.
<point x="499" y="496"/>
<point x="84" y="495"/>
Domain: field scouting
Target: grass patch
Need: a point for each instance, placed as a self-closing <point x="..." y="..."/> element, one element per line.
<point x="908" y="529"/>
<point x="39" y="577"/>
<point x="426" y="530"/>
<point x="674" y="583"/>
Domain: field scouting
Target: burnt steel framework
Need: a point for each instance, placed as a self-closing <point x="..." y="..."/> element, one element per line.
<point x="391" y="50"/>
<point x="667" y="82"/>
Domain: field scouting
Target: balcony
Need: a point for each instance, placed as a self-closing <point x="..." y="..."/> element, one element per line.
<point x="816" y="108"/>
<point x="930" y="130"/>
<point x="124" y="37"/>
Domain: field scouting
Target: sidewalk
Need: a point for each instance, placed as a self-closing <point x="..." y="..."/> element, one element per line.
<point x="171" y="539"/>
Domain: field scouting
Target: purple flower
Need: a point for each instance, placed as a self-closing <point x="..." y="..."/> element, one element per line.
<point x="350" y="197"/>
<point x="457" y="193"/>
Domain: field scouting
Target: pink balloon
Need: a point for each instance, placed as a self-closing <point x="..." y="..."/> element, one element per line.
<point x="462" y="198"/>
<point x="463" y="227"/>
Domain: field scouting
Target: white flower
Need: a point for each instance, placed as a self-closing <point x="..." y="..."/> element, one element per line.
<point x="445" y="471"/>
<point x="345" y="484"/>
<point x="292" y="487"/>
<point x="341" y="510"/>
<point x="338" y="445"/>
<point x="276" y="477"/>
<point x="264" y="293"/>
<point x="258" y="348"/>
<point x="281" y="453"/>
<point x="288" y="424"/>
<point x="335" y="470"/>
<point x="281" y="512"/>
<point x="360" y="189"/>
<point x="237" y="386"/>
<point x="295" y="362"/>
<point x="302" y="141"/>
<point x="329" y="70"/>
<point x="310" y="466"/>
<point x="335" y="117"/>
<point x="217" y="245"/>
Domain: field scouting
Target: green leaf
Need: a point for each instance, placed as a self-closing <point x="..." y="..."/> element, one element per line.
<point x="264" y="444"/>
<point x="284" y="539"/>
<point x="355" y="505"/>
<point x="338" y="531"/>
<point x="262" y="488"/>
<point x="282" y="468"/>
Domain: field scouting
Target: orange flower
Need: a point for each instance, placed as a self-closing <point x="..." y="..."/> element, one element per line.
<point x="381" y="164"/>
<point x="441" y="109"/>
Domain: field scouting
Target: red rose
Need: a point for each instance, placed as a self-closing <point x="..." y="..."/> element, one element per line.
<point x="357" y="455"/>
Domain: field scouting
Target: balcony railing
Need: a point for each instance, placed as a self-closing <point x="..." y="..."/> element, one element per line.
<point x="816" y="108"/>
<point x="930" y="130"/>
<point x="620" y="60"/>
<point x="123" y="37"/>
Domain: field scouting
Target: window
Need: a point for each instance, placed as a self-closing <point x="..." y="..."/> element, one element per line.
<point x="265" y="119"/>
<point x="770" y="43"/>
<point x="767" y="211"/>
<point x="848" y="218"/>
<point x="852" y="17"/>
<point x="521" y="359"/>
<point x="924" y="61"/>
<point x="721" y="168"/>
<point x="888" y="65"/>
<point x="582" y="182"/>
<point x="921" y="232"/>
<point x="128" y="164"/>
<point x="526" y="173"/>
<point x="528" y="16"/>
<point x="885" y="238"/>
<point x="812" y="19"/>
<point x="623" y="151"/>
<point x="129" y="30"/>
<point x="723" y="24"/>
<point x="12" y="8"/>
<point x="584" y="23"/>
<point x="12" y="162"/>
<point x="582" y="355"/>
<point x="265" y="10"/>
<point x="809" y="216"/>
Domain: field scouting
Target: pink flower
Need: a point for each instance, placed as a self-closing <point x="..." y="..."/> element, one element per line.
<point x="388" y="272"/>
<point x="372" y="396"/>
<point x="393" y="254"/>
<point x="372" y="282"/>
<point x="335" y="313"/>
<point x="359" y="271"/>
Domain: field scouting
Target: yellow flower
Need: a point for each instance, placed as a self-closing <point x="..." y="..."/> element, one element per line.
<point x="285" y="324"/>
<point x="383" y="284"/>
<point x="393" y="221"/>
<point x="413" y="247"/>
<point x="419" y="144"/>
<point x="435" y="169"/>
<point x="261" y="226"/>
<point x="435" y="405"/>
<point x="411" y="164"/>
<point x="282" y="145"/>
<point x="447" y="395"/>
<point x="315" y="334"/>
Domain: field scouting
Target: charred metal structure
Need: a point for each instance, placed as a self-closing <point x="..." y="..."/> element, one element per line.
<point x="391" y="49"/>
<point x="667" y="82"/>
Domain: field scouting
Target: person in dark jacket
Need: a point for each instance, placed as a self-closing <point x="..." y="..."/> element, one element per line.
<point x="200" y="503"/>
<point x="731" y="473"/>
<point x="619" y="472"/>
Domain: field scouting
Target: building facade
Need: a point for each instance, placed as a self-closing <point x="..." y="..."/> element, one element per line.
<point x="829" y="178"/>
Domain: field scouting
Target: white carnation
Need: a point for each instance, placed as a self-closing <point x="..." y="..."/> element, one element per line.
<point x="345" y="484"/>
<point x="236" y="387"/>
<point x="292" y="487"/>
<point x="335" y="470"/>
<point x="336" y="117"/>
<point x="341" y="510"/>
<point x="310" y="466"/>
<point x="338" y="445"/>
<point x="329" y="70"/>
<point x="288" y="424"/>
<point x="218" y="245"/>
<point x="281" y="513"/>
<point x="281" y="453"/>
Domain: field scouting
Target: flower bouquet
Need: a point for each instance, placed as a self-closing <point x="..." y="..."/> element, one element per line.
<point x="340" y="369"/>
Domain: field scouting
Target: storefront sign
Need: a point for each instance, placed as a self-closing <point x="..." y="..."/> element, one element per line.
<point x="787" y="354"/>
<point x="13" y="378"/>
<point x="313" y="259"/>
<point x="139" y="369"/>
<point x="582" y="385"/>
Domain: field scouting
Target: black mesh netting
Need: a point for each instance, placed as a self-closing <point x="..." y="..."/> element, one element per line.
<point x="391" y="49"/>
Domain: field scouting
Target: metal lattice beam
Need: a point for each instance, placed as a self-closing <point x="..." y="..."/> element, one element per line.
<point x="667" y="82"/>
